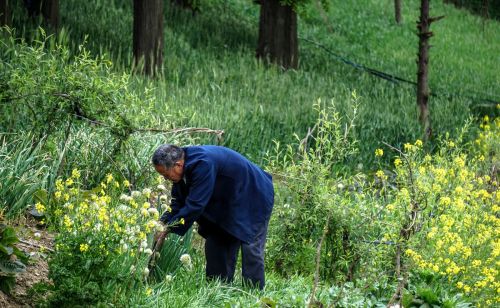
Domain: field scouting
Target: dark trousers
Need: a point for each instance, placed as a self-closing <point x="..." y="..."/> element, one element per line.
<point x="221" y="252"/>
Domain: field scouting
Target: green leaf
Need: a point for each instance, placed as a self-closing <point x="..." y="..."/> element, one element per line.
<point x="11" y="267"/>
<point x="267" y="302"/>
<point x="6" y="249"/>
<point x="41" y="196"/>
<point x="7" y="283"/>
<point x="8" y="236"/>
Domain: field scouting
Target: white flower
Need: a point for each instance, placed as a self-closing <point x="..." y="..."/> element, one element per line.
<point x="132" y="269"/>
<point x="159" y="227"/>
<point x="161" y="187"/>
<point x="148" y="251"/>
<point x="124" y="197"/>
<point x="146" y="192"/>
<point x="163" y="198"/>
<point x="186" y="260"/>
<point x="144" y="212"/>
<point x="37" y="235"/>
<point x="122" y="208"/>
<point x="145" y="272"/>
<point x="168" y="278"/>
<point x="340" y="186"/>
<point x="125" y="247"/>
<point x="144" y="244"/>
<point x="136" y="194"/>
<point x="153" y="211"/>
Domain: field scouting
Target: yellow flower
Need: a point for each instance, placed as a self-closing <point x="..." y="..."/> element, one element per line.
<point x="69" y="182"/>
<point x="445" y="201"/>
<point x="68" y="223"/>
<point x="181" y="221"/>
<point x="109" y="178"/>
<point x="419" y="143"/>
<point x="40" y="208"/>
<point x="66" y="197"/>
<point x="59" y="184"/>
<point x="397" y="162"/>
<point x="380" y="174"/>
<point x="57" y="194"/>
<point x="75" y="174"/>
<point x="408" y="147"/>
<point x="84" y="247"/>
<point x="149" y="291"/>
<point x="126" y="183"/>
<point x="379" y="152"/>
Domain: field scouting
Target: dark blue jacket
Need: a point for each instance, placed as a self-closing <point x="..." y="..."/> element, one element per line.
<point x="222" y="188"/>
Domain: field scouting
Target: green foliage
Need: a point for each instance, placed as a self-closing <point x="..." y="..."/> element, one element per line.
<point x="22" y="170"/>
<point x="306" y="201"/>
<point x="12" y="260"/>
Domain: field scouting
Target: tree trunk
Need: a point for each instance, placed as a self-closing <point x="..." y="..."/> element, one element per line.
<point x="424" y="35"/>
<point x="48" y="8"/>
<point x="148" y="36"/>
<point x="397" y="11"/>
<point x="50" y="11"/>
<point x="278" y="41"/>
<point x="4" y="13"/>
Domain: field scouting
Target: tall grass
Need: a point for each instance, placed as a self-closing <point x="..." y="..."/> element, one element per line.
<point x="211" y="78"/>
<point x="22" y="169"/>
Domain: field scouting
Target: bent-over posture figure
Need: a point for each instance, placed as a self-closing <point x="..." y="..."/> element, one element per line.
<point x="229" y="197"/>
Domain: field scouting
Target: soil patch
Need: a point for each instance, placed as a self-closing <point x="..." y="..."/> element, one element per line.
<point x="37" y="242"/>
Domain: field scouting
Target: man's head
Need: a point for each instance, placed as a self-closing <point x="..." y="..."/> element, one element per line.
<point x="168" y="161"/>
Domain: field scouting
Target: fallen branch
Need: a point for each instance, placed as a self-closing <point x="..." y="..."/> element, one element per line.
<point x="22" y="242"/>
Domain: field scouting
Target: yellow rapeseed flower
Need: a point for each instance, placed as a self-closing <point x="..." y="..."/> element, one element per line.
<point x="419" y="143"/>
<point x="126" y="183"/>
<point x="75" y="174"/>
<point x="109" y="178"/>
<point x="59" y="184"/>
<point x="40" y="208"/>
<point x="84" y="247"/>
<point x="379" y="152"/>
<point x="181" y="221"/>
<point x="397" y="162"/>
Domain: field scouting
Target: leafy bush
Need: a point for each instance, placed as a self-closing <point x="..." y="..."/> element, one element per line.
<point x="101" y="252"/>
<point x="12" y="260"/>
<point x="307" y="197"/>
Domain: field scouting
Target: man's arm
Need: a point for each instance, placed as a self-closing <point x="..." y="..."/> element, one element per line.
<point x="200" y="192"/>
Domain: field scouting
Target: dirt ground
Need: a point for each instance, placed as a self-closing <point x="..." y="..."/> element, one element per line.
<point x="37" y="242"/>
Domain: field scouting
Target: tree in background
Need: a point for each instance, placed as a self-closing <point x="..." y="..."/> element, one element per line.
<point x="148" y="35"/>
<point x="48" y="8"/>
<point x="278" y="42"/>
<point x="4" y="13"/>
<point x="423" y="91"/>
<point x="397" y="11"/>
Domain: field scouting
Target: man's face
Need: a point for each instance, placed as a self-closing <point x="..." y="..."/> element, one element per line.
<point x="173" y="173"/>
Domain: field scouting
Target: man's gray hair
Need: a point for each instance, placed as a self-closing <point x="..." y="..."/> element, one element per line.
<point x="167" y="155"/>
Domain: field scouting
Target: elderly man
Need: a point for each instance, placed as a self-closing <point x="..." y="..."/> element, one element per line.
<point x="229" y="197"/>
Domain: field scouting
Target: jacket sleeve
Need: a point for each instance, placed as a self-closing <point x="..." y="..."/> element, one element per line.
<point x="203" y="182"/>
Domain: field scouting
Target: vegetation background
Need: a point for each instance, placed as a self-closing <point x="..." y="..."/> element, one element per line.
<point x="72" y="100"/>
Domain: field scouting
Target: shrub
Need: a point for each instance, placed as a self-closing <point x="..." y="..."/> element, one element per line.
<point x="101" y="251"/>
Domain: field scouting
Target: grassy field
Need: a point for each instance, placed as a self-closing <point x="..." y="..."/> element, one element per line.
<point x="211" y="78"/>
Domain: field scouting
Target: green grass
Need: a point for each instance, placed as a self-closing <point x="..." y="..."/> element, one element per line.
<point x="211" y="78"/>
